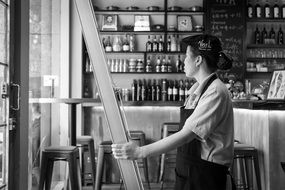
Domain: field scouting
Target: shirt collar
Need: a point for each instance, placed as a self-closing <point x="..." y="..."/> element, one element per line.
<point x="201" y="86"/>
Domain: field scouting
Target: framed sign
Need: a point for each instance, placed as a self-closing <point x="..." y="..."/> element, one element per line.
<point x="142" y="23"/>
<point x="277" y="86"/>
<point x="110" y="22"/>
<point x="184" y="23"/>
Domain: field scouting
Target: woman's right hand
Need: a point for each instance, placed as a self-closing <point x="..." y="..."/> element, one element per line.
<point x="129" y="150"/>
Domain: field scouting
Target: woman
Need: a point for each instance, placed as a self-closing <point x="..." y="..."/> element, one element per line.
<point x="206" y="136"/>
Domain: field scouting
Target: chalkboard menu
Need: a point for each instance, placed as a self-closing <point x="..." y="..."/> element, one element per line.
<point x="226" y="20"/>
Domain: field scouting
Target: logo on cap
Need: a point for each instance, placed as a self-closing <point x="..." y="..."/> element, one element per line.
<point x="205" y="46"/>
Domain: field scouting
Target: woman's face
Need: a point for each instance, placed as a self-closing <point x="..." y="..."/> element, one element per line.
<point x="190" y="68"/>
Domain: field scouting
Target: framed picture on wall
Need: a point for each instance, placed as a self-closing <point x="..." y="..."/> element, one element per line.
<point x="184" y="23"/>
<point x="110" y="22"/>
<point x="277" y="86"/>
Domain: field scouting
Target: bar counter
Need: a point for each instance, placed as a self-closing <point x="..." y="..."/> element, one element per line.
<point x="257" y="123"/>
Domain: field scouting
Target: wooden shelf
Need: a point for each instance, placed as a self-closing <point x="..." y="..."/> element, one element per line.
<point x="265" y="20"/>
<point x="130" y="12"/>
<point x="265" y="45"/>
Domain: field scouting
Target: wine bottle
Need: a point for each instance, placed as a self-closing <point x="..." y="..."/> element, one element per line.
<point x="153" y="91"/>
<point x="158" y="65"/>
<point x="132" y="43"/>
<point x="134" y="90"/>
<point x="257" y="10"/>
<point x="257" y="36"/>
<point x="139" y="90"/>
<point x="108" y="46"/>
<point x="169" y="44"/>
<point x="267" y="10"/>
<point x="169" y="65"/>
<point x="264" y="35"/>
<point x="170" y="91"/>
<point x="175" y="91"/>
<point x="181" y="91"/>
<point x="173" y="44"/>
<point x="155" y="45"/>
<point x="164" y="90"/>
<point x="280" y="36"/>
<point x="276" y="10"/>
<point x="158" y="91"/>
<point x="160" y="44"/>
<point x="163" y="65"/>
<point x="148" y="45"/>
<point x="143" y="91"/>
<point x="126" y="44"/>
<point x="272" y="35"/>
<point x="148" y="67"/>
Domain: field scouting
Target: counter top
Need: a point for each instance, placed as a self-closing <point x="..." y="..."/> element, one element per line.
<point x="259" y="104"/>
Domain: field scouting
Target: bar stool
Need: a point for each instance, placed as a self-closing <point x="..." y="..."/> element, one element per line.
<point x="88" y="172"/>
<point x="105" y="149"/>
<point x="51" y="154"/>
<point x="245" y="160"/>
<point x="168" y="128"/>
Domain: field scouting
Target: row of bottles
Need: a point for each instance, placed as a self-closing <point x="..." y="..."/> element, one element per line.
<point x="119" y="43"/>
<point x="268" y="37"/>
<point x="266" y="10"/>
<point x="172" y="45"/>
<point x="158" y="90"/>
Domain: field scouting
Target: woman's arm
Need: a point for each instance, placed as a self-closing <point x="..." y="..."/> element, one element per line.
<point x="131" y="151"/>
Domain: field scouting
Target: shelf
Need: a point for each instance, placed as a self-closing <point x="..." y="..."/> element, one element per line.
<point x="265" y="59"/>
<point x="131" y="73"/>
<point x="140" y="103"/>
<point x="113" y="32"/>
<point x="265" y="20"/>
<point x="123" y="52"/>
<point x="185" y="13"/>
<point x="259" y="72"/>
<point x="265" y="46"/>
<point x="130" y="12"/>
<point x="145" y="52"/>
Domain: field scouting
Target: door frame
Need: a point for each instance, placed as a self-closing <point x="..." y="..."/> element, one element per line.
<point x="19" y="74"/>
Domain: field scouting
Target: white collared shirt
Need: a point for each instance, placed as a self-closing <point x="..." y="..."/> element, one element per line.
<point x="212" y="121"/>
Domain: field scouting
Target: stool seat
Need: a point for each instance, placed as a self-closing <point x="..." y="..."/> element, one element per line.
<point x="84" y="139"/>
<point x="70" y="154"/>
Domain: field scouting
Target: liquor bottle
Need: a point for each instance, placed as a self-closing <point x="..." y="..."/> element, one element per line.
<point x="272" y="35"/>
<point x="181" y="91"/>
<point x="148" y="45"/>
<point x="139" y="90"/>
<point x="169" y="91"/>
<point x="276" y="10"/>
<point x="173" y="43"/>
<point x="86" y="90"/>
<point x="257" y="37"/>
<point x="148" y="67"/>
<point x="126" y="44"/>
<point x="267" y="10"/>
<point x="169" y="65"/>
<point x="158" y="91"/>
<point x="134" y="90"/>
<point x="164" y="90"/>
<point x="187" y="87"/>
<point x="257" y="10"/>
<point x="132" y="43"/>
<point x="163" y="65"/>
<point x="280" y="39"/>
<point x="175" y="91"/>
<point x="178" y="43"/>
<point x="160" y="44"/>
<point x="169" y="44"/>
<point x="143" y="91"/>
<point x="264" y="35"/>
<point x="153" y="91"/>
<point x="155" y="45"/>
<point x="108" y="47"/>
<point x="148" y="90"/>
<point x="179" y="65"/>
<point x="249" y="10"/>
<point x="158" y="65"/>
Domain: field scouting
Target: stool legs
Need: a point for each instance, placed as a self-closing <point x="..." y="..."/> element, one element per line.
<point x="99" y="172"/>
<point x="257" y="171"/>
<point x="93" y="164"/>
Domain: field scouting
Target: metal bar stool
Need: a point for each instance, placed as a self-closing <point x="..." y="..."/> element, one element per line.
<point x="88" y="173"/>
<point x="51" y="154"/>
<point x="167" y="129"/>
<point x="245" y="160"/>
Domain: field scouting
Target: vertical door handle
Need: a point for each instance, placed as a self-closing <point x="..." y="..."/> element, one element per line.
<point x="17" y="105"/>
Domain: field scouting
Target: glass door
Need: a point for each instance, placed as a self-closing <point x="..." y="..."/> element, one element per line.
<point x="4" y="105"/>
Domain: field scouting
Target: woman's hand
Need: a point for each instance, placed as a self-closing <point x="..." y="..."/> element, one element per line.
<point x="129" y="151"/>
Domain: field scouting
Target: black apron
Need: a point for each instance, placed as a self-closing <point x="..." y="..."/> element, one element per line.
<point x="192" y="172"/>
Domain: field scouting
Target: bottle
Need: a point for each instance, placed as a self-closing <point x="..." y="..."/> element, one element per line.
<point x="257" y="37"/>
<point x="178" y="43"/>
<point x="148" y="45"/>
<point x="276" y="10"/>
<point x="158" y="91"/>
<point x="153" y="91"/>
<point x="143" y="91"/>
<point x="179" y="65"/>
<point x="280" y="36"/>
<point x="148" y="67"/>
<point x="187" y="87"/>
<point x="148" y="90"/>
<point x="160" y="44"/>
<point x="272" y="35"/>
<point x="117" y="44"/>
<point x="155" y="45"/>
<point x="257" y="10"/>
<point x="170" y="92"/>
<point x="283" y="11"/>
<point x="164" y="66"/>
<point x="264" y="35"/>
<point x="158" y="65"/>
<point x="267" y="10"/>
<point x="169" y="65"/>
<point x="108" y="47"/>
<point x="126" y="44"/>
<point x="132" y="43"/>
<point x="169" y="44"/>
<point x="86" y="90"/>
<point x="175" y="91"/>
<point x="173" y="43"/>
<point x="164" y="90"/>
<point x="134" y="90"/>
<point x="181" y="91"/>
<point x="139" y="90"/>
<point x="249" y="10"/>
<point x="125" y="66"/>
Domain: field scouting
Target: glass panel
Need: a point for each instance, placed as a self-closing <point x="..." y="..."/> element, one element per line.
<point x="3" y="34"/>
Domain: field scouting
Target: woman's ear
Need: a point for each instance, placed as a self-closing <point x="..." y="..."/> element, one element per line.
<point x="198" y="60"/>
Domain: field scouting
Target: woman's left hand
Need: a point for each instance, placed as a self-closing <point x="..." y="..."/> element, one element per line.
<point x="128" y="150"/>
